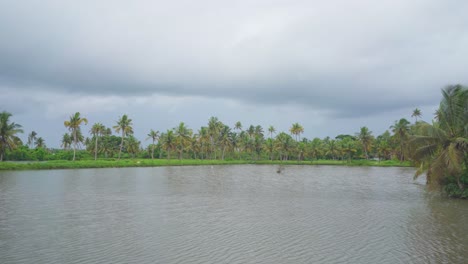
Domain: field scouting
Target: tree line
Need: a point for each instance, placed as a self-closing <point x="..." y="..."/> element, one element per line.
<point x="438" y="148"/>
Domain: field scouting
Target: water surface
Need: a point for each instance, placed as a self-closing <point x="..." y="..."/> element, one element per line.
<point x="228" y="214"/>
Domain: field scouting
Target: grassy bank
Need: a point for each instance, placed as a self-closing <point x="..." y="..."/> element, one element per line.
<point x="65" y="164"/>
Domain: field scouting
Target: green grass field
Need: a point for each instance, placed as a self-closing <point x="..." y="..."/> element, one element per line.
<point x="81" y="164"/>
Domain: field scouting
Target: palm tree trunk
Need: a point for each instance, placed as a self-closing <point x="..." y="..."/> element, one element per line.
<point x="121" y="144"/>
<point x="224" y="148"/>
<point x="152" y="150"/>
<point x="95" y="149"/>
<point x="74" y="144"/>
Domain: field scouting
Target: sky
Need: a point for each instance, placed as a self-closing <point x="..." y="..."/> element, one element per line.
<point x="333" y="66"/>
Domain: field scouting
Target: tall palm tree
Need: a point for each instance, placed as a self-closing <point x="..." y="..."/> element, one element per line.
<point x="366" y="138"/>
<point x="401" y="133"/>
<point x="8" y="131"/>
<point x="124" y="126"/>
<point x="169" y="142"/>
<point x="416" y="113"/>
<point x="238" y="126"/>
<point x="32" y="138"/>
<point x="97" y="130"/>
<point x="225" y="139"/>
<point x="271" y="130"/>
<point x="153" y="135"/>
<point x="284" y="144"/>
<point x="74" y="126"/>
<point x="214" y="126"/>
<point x="441" y="149"/>
<point x="296" y="130"/>
<point x="183" y="136"/>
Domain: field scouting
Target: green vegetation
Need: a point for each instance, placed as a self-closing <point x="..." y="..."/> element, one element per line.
<point x="441" y="149"/>
<point x="438" y="149"/>
<point x="114" y="163"/>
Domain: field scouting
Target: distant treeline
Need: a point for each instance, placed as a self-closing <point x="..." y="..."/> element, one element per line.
<point x="439" y="149"/>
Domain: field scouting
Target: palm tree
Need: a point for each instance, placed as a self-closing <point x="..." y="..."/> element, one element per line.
<point x="441" y="149"/>
<point x="238" y="126"/>
<point x="284" y="144"/>
<point x="153" y="135"/>
<point x="66" y="141"/>
<point x="296" y="130"/>
<point x="32" y="138"/>
<point x="40" y="143"/>
<point x="97" y="130"/>
<point x="183" y="136"/>
<point x="366" y="138"/>
<point x="124" y="126"/>
<point x="214" y="126"/>
<point x="272" y="130"/>
<point x="416" y="113"/>
<point x="74" y="126"/>
<point x="132" y="145"/>
<point x="401" y="133"/>
<point x="8" y="131"/>
<point x="225" y="139"/>
<point x="168" y="141"/>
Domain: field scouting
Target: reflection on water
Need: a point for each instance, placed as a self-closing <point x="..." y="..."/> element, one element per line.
<point x="228" y="214"/>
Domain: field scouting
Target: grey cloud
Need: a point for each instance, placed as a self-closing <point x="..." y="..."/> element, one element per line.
<point x="350" y="58"/>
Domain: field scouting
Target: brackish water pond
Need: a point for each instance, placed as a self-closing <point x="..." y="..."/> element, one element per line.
<point x="228" y="214"/>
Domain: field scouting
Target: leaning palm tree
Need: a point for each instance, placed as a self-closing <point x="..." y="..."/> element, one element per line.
<point x="32" y="138"/>
<point x="74" y="126"/>
<point x="8" y="131"/>
<point x="441" y="148"/>
<point x="154" y="135"/>
<point x="97" y="130"/>
<point x="124" y="126"/>
<point x="416" y="113"/>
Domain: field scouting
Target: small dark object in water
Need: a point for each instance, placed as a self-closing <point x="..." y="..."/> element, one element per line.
<point x="280" y="169"/>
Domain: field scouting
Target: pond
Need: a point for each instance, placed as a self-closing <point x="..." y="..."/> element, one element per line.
<point x="228" y="214"/>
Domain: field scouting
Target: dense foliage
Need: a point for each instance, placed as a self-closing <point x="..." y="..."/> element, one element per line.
<point x="438" y="149"/>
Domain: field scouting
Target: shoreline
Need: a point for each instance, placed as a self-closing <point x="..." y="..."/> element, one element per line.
<point x="129" y="163"/>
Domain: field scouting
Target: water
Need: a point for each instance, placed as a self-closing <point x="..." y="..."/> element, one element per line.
<point x="228" y="214"/>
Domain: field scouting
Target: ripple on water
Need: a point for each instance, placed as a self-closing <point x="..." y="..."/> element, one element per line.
<point x="227" y="214"/>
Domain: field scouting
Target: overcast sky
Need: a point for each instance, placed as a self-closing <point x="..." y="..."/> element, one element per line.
<point x="333" y="66"/>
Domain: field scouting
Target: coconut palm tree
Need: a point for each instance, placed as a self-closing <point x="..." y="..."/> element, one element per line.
<point x="32" y="138"/>
<point x="97" y="130"/>
<point x="416" y="113"/>
<point x="124" y="126"/>
<point x="225" y="139"/>
<point x="40" y="143"/>
<point x="182" y="138"/>
<point x="74" y="126"/>
<point x="132" y="145"/>
<point x="284" y="144"/>
<point x="401" y="133"/>
<point x="153" y="135"/>
<point x="8" y="131"/>
<point x="66" y="141"/>
<point x="214" y="126"/>
<point x="441" y="148"/>
<point x="296" y="130"/>
<point x="238" y="126"/>
<point x="366" y="138"/>
<point x="168" y="142"/>
<point x="271" y="130"/>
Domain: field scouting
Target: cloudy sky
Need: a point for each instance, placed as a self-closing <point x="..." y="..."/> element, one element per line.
<point x="332" y="66"/>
